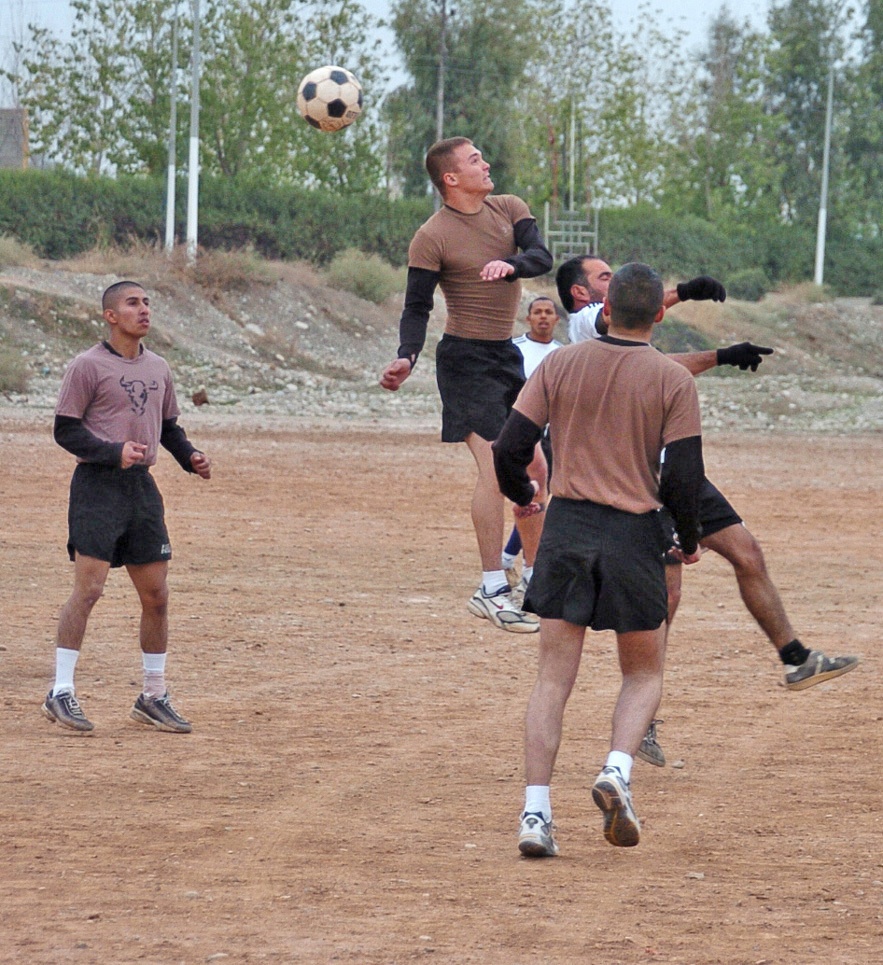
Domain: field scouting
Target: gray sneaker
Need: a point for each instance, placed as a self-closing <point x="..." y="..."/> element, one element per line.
<point x="535" y="838"/>
<point x="650" y="751"/>
<point x="64" y="708"/>
<point x="612" y="795"/>
<point x="816" y="669"/>
<point x="159" y="713"/>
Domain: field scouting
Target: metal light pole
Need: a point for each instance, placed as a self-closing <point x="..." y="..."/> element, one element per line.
<point x="819" y="275"/>
<point x="440" y="87"/>
<point x="173" y="120"/>
<point x="193" y="162"/>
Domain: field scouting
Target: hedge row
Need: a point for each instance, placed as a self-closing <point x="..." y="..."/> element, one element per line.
<point x="60" y="215"/>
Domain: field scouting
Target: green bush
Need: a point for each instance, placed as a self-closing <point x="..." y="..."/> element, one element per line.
<point x="877" y="297"/>
<point x="749" y="285"/>
<point x="368" y="276"/>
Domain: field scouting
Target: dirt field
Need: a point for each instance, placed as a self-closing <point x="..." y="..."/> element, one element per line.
<point x="351" y="788"/>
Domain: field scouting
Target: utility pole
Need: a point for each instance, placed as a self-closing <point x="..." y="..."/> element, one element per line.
<point x="819" y="275"/>
<point x="193" y="161"/>
<point x="440" y="86"/>
<point x="173" y="122"/>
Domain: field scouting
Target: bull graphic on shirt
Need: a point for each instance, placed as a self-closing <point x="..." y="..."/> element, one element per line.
<point x="138" y="393"/>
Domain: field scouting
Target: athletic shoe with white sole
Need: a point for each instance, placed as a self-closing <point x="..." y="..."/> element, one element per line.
<point x="518" y="592"/>
<point x="816" y="669"/>
<point x="64" y="708"/>
<point x="535" y="838"/>
<point x="158" y="712"/>
<point x="613" y="796"/>
<point x="502" y="612"/>
<point x="650" y="751"/>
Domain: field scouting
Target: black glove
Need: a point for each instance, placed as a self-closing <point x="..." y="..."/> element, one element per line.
<point x="702" y="289"/>
<point x="745" y="355"/>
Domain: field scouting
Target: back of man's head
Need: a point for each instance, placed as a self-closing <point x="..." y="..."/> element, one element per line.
<point x="635" y="296"/>
<point x="440" y="160"/>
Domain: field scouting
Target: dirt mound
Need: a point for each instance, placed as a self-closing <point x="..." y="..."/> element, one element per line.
<point x="292" y="345"/>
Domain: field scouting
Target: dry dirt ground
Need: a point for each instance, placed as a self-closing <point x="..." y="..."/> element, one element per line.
<point x="351" y="788"/>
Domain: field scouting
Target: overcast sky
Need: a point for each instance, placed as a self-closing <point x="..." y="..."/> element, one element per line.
<point x="687" y="17"/>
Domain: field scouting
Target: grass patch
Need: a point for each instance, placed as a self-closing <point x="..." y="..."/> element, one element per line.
<point x="14" y="373"/>
<point x="15" y="253"/>
<point x="367" y="276"/>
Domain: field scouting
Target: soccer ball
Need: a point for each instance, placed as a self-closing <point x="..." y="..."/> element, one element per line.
<point x="329" y="98"/>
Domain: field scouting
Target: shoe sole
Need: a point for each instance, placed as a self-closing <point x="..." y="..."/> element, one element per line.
<point x="619" y="829"/>
<point x="47" y="713"/>
<point x="510" y="627"/>
<point x="143" y="718"/>
<point x="820" y="678"/>
<point x="657" y="761"/>
<point x="534" y="846"/>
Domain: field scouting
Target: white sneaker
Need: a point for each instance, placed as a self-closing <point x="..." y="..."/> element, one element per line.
<point x="613" y="796"/>
<point x="535" y="838"/>
<point x="502" y="612"/>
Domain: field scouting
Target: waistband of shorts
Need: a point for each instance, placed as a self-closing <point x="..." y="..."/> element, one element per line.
<point x="97" y="467"/>
<point x="447" y="337"/>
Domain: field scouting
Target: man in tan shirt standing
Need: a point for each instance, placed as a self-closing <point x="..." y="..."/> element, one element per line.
<point x="612" y="405"/>
<point x="476" y="248"/>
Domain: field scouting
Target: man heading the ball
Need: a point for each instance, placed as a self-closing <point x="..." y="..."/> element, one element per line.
<point x="476" y="248"/>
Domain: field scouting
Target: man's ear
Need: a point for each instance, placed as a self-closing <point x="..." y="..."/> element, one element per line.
<point x="659" y="315"/>
<point x="605" y="308"/>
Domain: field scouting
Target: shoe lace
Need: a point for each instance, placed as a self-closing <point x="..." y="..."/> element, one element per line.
<point x="73" y="705"/>
<point x="651" y="731"/>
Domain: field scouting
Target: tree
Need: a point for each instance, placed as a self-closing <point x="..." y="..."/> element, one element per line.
<point x="490" y="43"/>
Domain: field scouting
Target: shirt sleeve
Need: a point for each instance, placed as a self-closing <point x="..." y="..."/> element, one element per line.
<point x="535" y="258"/>
<point x="682" y="475"/>
<point x="586" y="323"/>
<point x="72" y="435"/>
<point x="513" y="451"/>
<point x="419" y="299"/>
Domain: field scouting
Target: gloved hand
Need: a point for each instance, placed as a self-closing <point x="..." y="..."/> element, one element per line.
<point x="702" y="289"/>
<point x="745" y="355"/>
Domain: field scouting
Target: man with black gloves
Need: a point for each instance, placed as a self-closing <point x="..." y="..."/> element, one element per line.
<point x="582" y="284"/>
<point x="611" y="403"/>
<point x="476" y="248"/>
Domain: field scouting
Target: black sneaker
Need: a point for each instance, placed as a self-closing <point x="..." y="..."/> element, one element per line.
<point x="816" y="669"/>
<point x="65" y="709"/>
<point x="159" y="713"/>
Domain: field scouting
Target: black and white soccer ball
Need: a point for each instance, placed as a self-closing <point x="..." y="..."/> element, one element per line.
<point x="329" y="98"/>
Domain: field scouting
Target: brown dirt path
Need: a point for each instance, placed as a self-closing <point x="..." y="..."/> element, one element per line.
<point x="351" y="788"/>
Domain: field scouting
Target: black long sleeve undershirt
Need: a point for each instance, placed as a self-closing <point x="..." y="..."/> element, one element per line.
<point x="72" y="435"/>
<point x="513" y="452"/>
<point x="682" y="475"/>
<point x="535" y="259"/>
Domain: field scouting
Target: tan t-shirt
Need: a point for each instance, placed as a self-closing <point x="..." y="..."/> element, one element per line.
<point x="612" y="407"/>
<point x="458" y="246"/>
<point x="120" y="399"/>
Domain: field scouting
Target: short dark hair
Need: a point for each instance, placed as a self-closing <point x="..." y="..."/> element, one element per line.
<point x="112" y="294"/>
<point x="541" y="298"/>
<point x="635" y="296"/>
<point x="439" y="160"/>
<point x="572" y="273"/>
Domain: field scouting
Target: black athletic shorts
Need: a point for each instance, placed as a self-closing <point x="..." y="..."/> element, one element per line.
<point x="600" y="567"/>
<point x="117" y="515"/>
<point x="478" y="381"/>
<point x="715" y="512"/>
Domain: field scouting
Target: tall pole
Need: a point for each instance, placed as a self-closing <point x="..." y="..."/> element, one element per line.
<point x="819" y="275"/>
<point x="193" y="162"/>
<point x="173" y="122"/>
<point x="440" y="86"/>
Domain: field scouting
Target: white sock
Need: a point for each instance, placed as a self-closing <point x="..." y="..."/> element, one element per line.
<point x="65" y="663"/>
<point x="154" y="674"/>
<point x="622" y="762"/>
<point x="536" y="800"/>
<point x="508" y="560"/>
<point x="526" y="574"/>
<point x="493" y="580"/>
